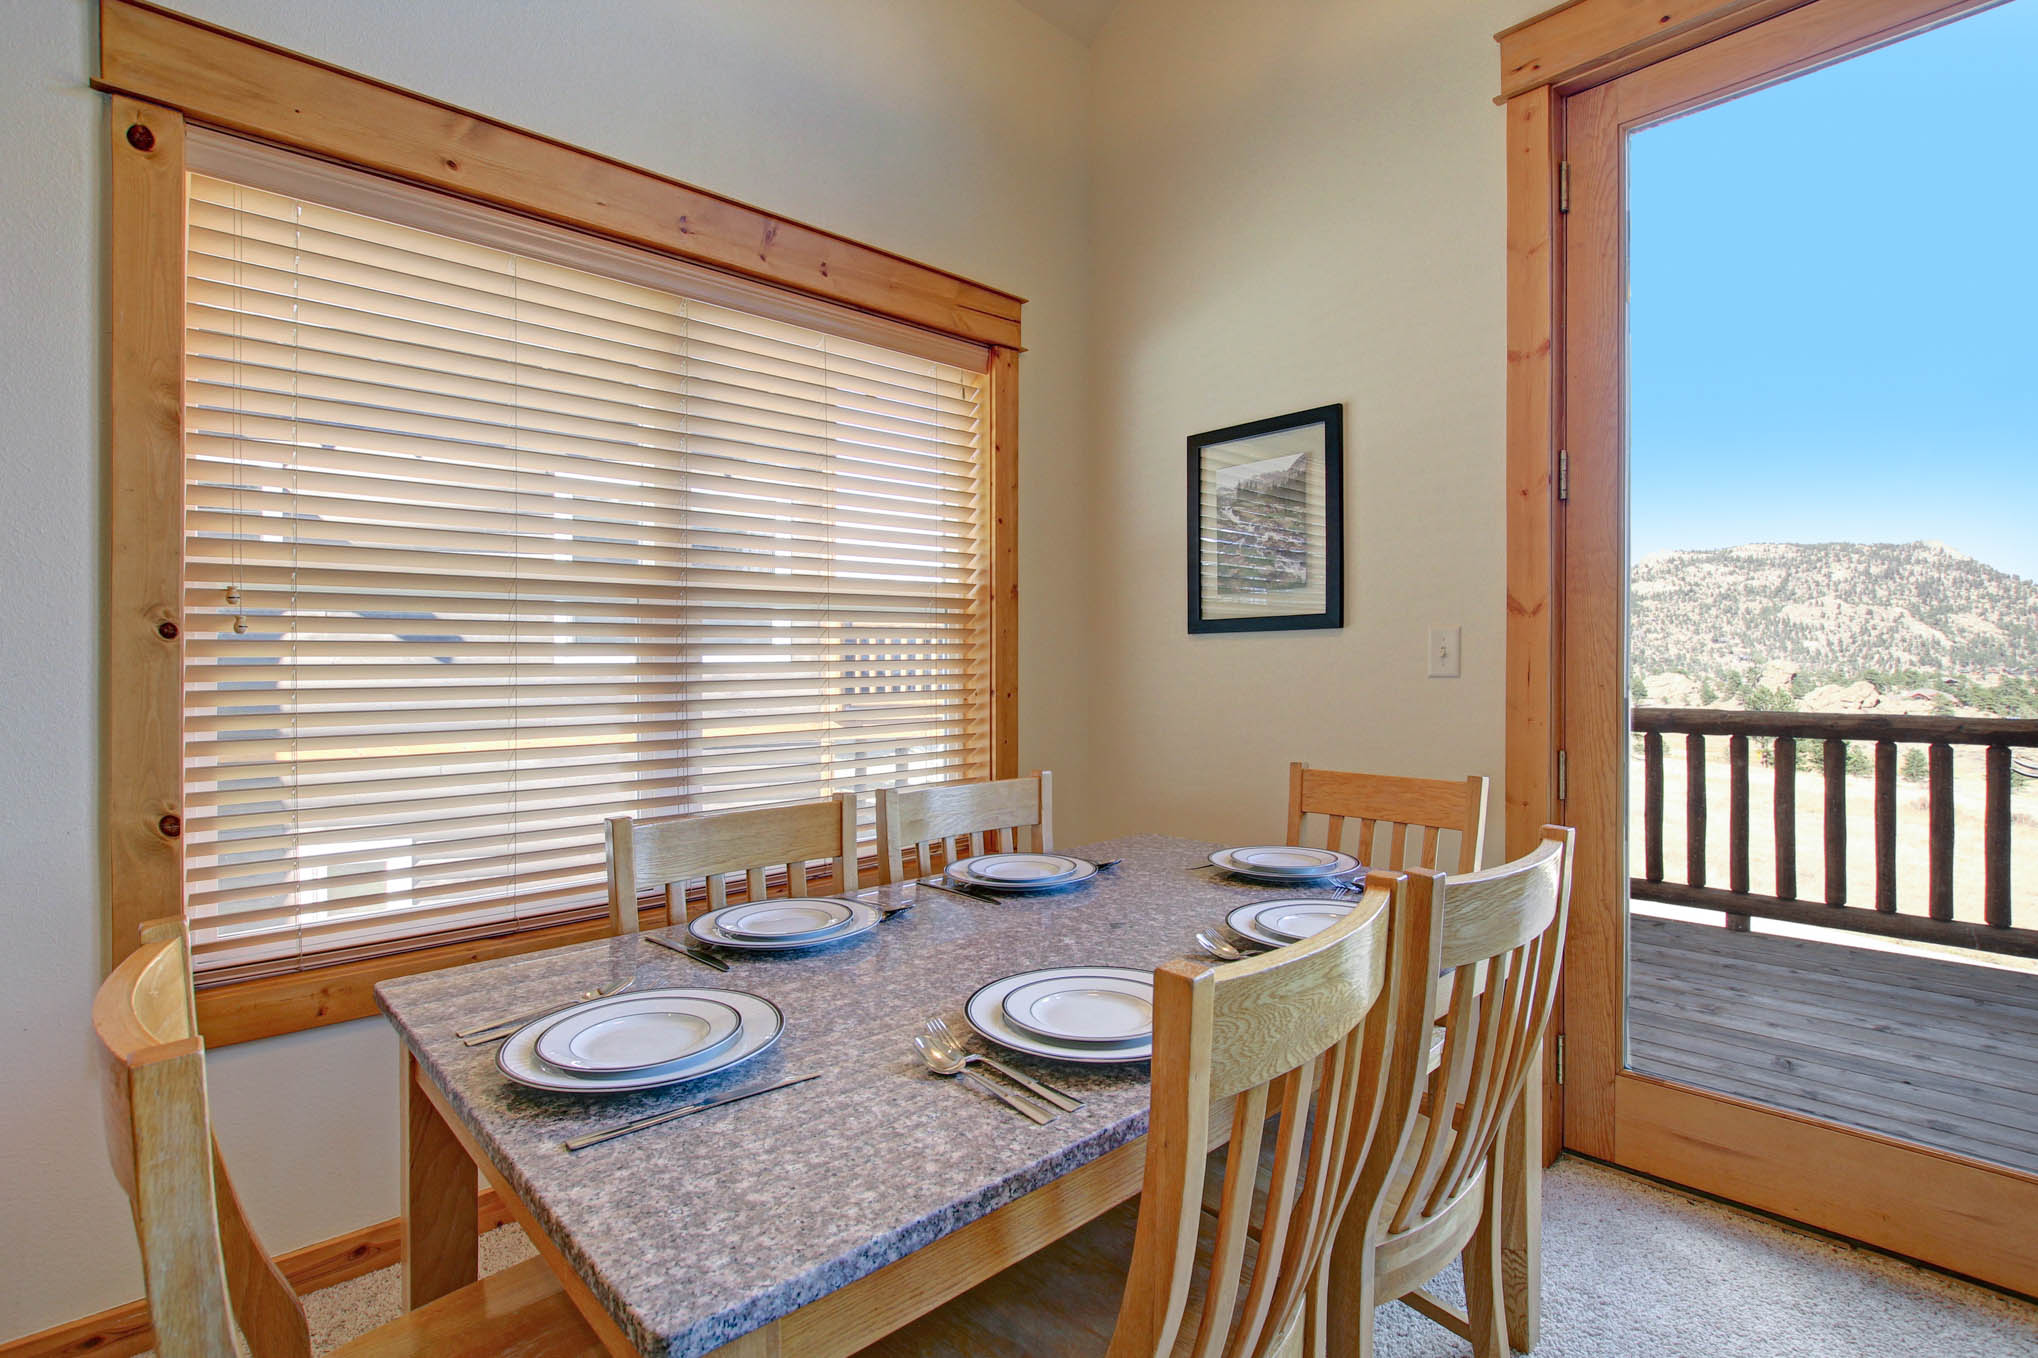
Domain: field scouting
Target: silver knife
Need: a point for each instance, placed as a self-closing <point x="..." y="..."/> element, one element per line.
<point x="705" y="959"/>
<point x="963" y="892"/>
<point x="581" y="1143"/>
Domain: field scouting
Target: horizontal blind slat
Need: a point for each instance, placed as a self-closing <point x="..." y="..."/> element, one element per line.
<point x="481" y="549"/>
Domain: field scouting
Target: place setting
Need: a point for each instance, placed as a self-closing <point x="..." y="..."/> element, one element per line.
<point x="786" y="923"/>
<point x="1288" y="864"/>
<point x="1089" y="1015"/>
<point x="989" y="876"/>
<point x="619" y="1039"/>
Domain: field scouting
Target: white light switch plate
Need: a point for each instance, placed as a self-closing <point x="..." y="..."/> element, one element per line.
<point x="1443" y="651"/>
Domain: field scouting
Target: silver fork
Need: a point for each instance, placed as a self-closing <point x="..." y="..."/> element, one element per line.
<point x="941" y="1062"/>
<point x="476" y="1035"/>
<point x="1221" y="950"/>
<point x="945" y="1039"/>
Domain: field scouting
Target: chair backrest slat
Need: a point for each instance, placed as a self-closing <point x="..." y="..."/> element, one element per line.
<point x="1499" y="938"/>
<point x="963" y="820"/>
<point x="1429" y="806"/>
<point x="670" y="853"/>
<point x="1300" y="1033"/>
<point x="202" y="1263"/>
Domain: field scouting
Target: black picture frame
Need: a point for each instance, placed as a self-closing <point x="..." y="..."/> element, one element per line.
<point x="1268" y="562"/>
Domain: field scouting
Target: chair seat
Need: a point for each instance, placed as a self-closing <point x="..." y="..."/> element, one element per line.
<point x="1060" y="1302"/>
<point x="520" y="1312"/>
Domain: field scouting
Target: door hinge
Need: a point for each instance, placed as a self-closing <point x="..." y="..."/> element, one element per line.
<point x="1563" y="779"/>
<point x="1563" y="474"/>
<point x="1563" y="186"/>
<point x="1558" y="1052"/>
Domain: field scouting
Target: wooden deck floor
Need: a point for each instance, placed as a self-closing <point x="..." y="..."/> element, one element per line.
<point x="1913" y="1047"/>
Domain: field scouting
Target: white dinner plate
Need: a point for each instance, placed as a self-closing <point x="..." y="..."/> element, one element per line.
<point x="986" y="1013"/>
<point x="961" y="872"/>
<point x="636" y="1032"/>
<point x="1018" y="869"/>
<point x="1089" y="1007"/>
<point x="1293" y="921"/>
<point x="794" y="917"/>
<point x="1241" y="919"/>
<point x="762" y="1023"/>
<point x="708" y="929"/>
<point x="1288" y="863"/>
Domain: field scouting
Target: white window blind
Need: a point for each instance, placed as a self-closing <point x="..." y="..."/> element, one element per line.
<point x="481" y="549"/>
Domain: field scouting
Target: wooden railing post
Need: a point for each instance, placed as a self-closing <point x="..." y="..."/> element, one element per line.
<point x="1652" y="806"/>
<point x="1995" y="852"/>
<point x="1941" y="768"/>
<point x="1885" y="826"/>
<point x="1694" y="810"/>
<point x="1786" y="817"/>
<point x="1836" y="822"/>
<point x="1737" y="825"/>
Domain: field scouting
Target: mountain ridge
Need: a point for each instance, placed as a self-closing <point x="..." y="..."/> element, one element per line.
<point x="1835" y="608"/>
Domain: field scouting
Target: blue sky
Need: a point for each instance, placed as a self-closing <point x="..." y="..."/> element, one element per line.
<point x="1834" y="304"/>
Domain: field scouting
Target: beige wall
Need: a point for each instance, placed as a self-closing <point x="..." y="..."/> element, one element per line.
<point x="1297" y="202"/>
<point x="948" y="130"/>
<point x="1285" y="204"/>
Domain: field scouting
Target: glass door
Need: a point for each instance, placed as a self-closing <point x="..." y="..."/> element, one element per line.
<point x="1801" y="628"/>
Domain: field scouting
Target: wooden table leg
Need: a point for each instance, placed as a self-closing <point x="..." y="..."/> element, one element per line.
<point x="441" y="1246"/>
<point x="1521" y="1246"/>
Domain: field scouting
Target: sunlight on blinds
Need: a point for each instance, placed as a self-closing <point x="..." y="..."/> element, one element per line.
<point x="481" y="549"/>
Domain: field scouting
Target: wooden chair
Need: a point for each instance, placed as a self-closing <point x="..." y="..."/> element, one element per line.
<point x="964" y="819"/>
<point x="1374" y="800"/>
<point x="1295" y="1033"/>
<point x="201" y="1260"/>
<point x="1444" y="1184"/>
<point x="676" y="850"/>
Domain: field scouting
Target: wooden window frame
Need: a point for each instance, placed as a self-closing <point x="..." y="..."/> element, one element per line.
<point x="165" y="72"/>
<point x="1775" y="1161"/>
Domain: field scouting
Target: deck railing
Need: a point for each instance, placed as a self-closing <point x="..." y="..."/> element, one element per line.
<point x="2007" y="925"/>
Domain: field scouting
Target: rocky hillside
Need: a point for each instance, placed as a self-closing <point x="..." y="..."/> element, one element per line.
<point x="1838" y="610"/>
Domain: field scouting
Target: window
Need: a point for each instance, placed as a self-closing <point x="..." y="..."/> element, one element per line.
<point x="492" y="531"/>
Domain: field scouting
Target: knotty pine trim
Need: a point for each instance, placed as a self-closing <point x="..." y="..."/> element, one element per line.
<point x="1587" y="42"/>
<point x="124" y="1330"/>
<point x="235" y="83"/>
<point x="143" y="757"/>
<point x="1002" y="457"/>
<point x="340" y="992"/>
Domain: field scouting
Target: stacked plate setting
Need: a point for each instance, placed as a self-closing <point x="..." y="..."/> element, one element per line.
<point x="1021" y="872"/>
<point x="640" y="1040"/>
<point x="1092" y="1015"/>
<point x="1279" y="923"/>
<point x="794" y="922"/>
<point x="1292" y="864"/>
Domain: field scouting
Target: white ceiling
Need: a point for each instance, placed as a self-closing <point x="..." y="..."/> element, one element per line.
<point x="1080" y="19"/>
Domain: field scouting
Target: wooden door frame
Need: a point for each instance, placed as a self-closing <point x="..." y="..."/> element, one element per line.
<point x="1566" y="562"/>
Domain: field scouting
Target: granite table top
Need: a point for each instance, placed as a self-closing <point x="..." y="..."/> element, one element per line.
<point x="696" y="1233"/>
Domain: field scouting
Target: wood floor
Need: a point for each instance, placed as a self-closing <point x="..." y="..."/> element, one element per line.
<point x="1914" y="1047"/>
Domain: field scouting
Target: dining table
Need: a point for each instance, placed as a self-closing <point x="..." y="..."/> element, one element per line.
<point x="817" y="1218"/>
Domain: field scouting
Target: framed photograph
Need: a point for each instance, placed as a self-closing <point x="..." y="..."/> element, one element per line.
<point x="1266" y="524"/>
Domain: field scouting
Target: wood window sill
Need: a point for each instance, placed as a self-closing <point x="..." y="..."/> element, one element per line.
<point x="269" y="1006"/>
<point x="340" y="992"/>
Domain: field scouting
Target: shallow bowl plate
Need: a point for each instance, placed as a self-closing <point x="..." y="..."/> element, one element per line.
<point x="636" y="1032"/>
<point x="986" y="1013"/>
<point x="1088" y="1008"/>
<point x="762" y="1023"/>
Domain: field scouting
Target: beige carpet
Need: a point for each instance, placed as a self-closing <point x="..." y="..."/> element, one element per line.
<point x="1629" y="1269"/>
